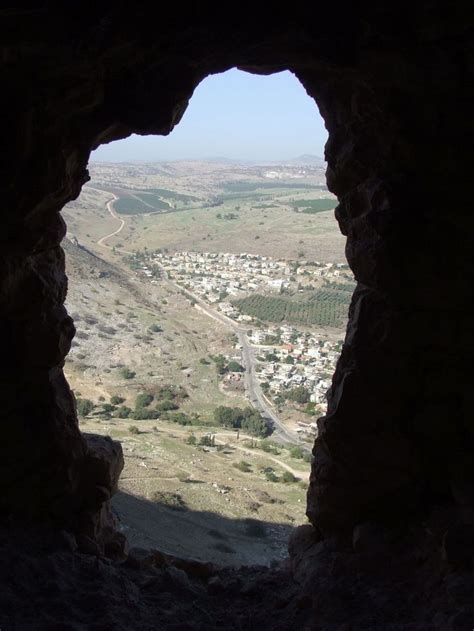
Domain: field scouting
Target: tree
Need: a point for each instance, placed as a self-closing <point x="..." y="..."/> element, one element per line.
<point x="166" y="405"/>
<point x="191" y="439"/>
<point x="234" y="366"/>
<point x="84" y="406"/>
<point x="115" y="400"/>
<point x="124" y="412"/>
<point x="145" y="414"/>
<point x="288" y="477"/>
<point x="299" y="394"/>
<point x="289" y="360"/>
<point x="255" y="425"/>
<point x="143" y="400"/>
<point x="126" y="373"/>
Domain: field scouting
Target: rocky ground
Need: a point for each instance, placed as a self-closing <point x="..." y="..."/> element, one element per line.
<point x="388" y="583"/>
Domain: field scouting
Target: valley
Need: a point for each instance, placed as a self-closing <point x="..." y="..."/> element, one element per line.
<point x="161" y="364"/>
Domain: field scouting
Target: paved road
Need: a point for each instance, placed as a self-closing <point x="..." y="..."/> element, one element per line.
<point x="252" y="385"/>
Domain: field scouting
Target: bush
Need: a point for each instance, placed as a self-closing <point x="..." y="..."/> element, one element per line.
<point x="124" y="412"/>
<point x="204" y="361"/>
<point x="143" y="400"/>
<point x="234" y="366"/>
<point x="206" y="441"/>
<point x="84" y="406"/>
<point x="126" y="373"/>
<point x="155" y="328"/>
<point x="181" y="419"/>
<point x="300" y="394"/>
<point x="243" y="466"/>
<point x="115" y="400"/>
<point x="288" y="478"/>
<point x="166" y="405"/>
<point x="133" y="429"/>
<point x="144" y="414"/>
<point x="191" y="439"/>
<point x="270" y="475"/>
<point x="108" y="408"/>
<point x="296" y="452"/>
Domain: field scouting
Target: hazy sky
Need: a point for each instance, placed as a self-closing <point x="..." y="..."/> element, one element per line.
<point x="234" y="115"/>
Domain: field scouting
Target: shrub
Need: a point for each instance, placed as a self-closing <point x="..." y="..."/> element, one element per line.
<point x="234" y="366"/>
<point x="296" y="452"/>
<point x="206" y="441"/>
<point x="124" y="412"/>
<point x="115" y="400"/>
<point x="166" y="405"/>
<point x="126" y="373"/>
<point x="143" y="400"/>
<point x="242" y="466"/>
<point x="270" y="475"/>
<point x="84" y="406"/>
<point x="144" y="414"/>
<point x="204" y="361"/>
<point x="288" y="478"/>
<point x="155" y="328"/>
<point x="133" y="429"/>
<point x="108" y="408"/>
<point x="191" y="439"/>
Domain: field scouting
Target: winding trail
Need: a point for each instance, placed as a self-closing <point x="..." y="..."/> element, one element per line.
<point x="252" y="386"/>
<point x="111" y="210"/>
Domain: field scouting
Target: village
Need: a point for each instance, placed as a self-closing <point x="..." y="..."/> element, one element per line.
<point x="293" y="364"/>
<point x="215" y="275"/>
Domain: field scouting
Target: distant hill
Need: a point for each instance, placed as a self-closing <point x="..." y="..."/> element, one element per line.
<point x="307" y="159"/>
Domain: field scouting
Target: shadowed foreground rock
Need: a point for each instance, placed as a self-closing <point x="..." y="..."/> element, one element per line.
<point x="393" y="473"/>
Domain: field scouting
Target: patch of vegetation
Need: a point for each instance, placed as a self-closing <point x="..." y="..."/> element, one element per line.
<point x="116" y="400"/>
<point x="170" y="500"/>
<point x="155" y="328"/>
<point x="326" y="307"/>
<point x="133" y="429"/>
<point x="143" y="400"/>
<point x="248" y="419"/>
<point x="288" y="478"/>
<point x="313" y="206"/>
<point x="242" y="186"/>
<point x="126" y="373"/>
<point x="243" y="466"/>
<point x="84" y="406"/>
<point x="123" y="412"/>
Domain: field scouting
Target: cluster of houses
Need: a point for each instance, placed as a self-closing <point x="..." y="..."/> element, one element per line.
<point x="295" y="359"/>
<point x="285" y="356"/>
<point x="216" y="275"/>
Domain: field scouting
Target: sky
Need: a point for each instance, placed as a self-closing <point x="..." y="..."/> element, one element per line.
<point x="235" y="115"/>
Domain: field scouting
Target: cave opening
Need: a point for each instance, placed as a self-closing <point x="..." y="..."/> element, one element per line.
<point x="209" y="292"/>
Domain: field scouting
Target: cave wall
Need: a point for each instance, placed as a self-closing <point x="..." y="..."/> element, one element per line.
<point x="394" y="92"/>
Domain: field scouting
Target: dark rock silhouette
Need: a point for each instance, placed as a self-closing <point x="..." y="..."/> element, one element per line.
<point x="393" y="468"/>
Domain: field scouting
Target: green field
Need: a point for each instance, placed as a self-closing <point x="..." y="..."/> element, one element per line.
<point x="245" y="187"/>
<point x="313" y="206"/>
<point x="324" y="307"/>
<point x="142" y="203"/>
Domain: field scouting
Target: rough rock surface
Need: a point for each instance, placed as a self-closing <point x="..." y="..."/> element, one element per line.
<point x="395" y="92"/>
<point x="45" y="585"/>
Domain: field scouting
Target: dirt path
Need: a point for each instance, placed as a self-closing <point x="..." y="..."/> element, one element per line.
<point x="111" y="210"/>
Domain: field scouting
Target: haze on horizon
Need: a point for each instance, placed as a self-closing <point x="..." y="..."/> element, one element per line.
<point x="234" y="115"/>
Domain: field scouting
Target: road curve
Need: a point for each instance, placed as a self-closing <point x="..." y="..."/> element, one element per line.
<point x="252" y="385"/>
